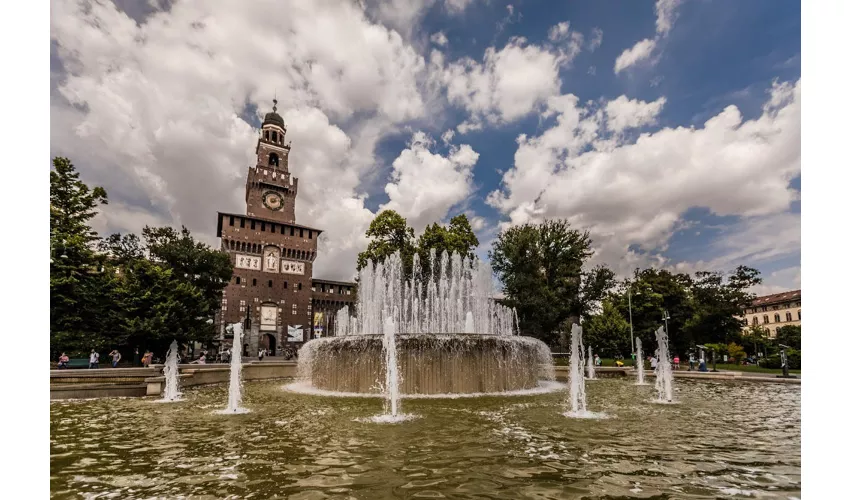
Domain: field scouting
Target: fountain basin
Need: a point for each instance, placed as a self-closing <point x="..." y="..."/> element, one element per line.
<point x="428" y="363"/>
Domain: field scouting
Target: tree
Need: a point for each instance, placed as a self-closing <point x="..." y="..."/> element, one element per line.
<point x="389" y="234"/>
<point x="789" y="335"/>
<point x="541" y="268"/>
<point x="458" y="239"/>
<point x="718" y="304"/>
<point x="608" y="332"/>
<point x="72" y="203"/>
<point x="736" y="352"/>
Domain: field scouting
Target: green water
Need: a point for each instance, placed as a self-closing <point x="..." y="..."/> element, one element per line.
<point x="724" y="439"/>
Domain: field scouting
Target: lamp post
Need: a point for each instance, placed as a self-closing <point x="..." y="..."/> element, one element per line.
<point x="631" y="326"/>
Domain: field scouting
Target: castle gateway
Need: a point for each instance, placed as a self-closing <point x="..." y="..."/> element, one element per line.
<point x="272" y="285"/>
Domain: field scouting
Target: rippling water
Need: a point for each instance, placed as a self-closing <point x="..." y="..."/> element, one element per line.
<point x="723" y="439"/>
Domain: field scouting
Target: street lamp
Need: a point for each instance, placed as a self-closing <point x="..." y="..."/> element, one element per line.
<point x="631" y="326"/>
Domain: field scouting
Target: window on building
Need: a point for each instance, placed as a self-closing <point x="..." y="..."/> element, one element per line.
<point x="799" y="316"/>
<point x="300" y="233"/>
<point x="223" y="304"/>
<point x="776" y="318"/>
<point x="238" y="280"/>
<point x="788" y="316"/>
<point x="274" y="135"/>
<point x="274" y="227"/>
<point x="299" y="286"/>
<point x="285" y="284"/>
<point x="270" y="283"/>
<point x="310" y="234"/>
<point x="746" y="322"/>
<point x="254" y="282"/>
<point x="768" y="331"/>
<point x="267" y="135"/>
<point x="241" y="222"/>
<point x="331" y="290"/>
<point x="241" y="306"/>
<point x="755" y="320"/>
<point x="294" y="308"/>
<point x="253" y="225"/>
<point x="273" y="160"/>
<point x="291" y="231"/>
<point x="231" y="220"/>
<point x="766" y="319"/>
<point x="262" y="226"/>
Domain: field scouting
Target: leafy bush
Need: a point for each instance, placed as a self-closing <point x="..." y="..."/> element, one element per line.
<point x="775" y="360"/>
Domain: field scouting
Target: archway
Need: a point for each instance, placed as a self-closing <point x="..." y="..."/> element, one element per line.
<point x="269" y="343"/>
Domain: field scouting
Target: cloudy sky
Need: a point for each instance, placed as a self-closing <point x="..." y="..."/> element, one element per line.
<point x="670" y="130"/>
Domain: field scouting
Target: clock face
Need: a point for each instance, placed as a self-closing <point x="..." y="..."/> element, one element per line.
<point x="272" y="200"/>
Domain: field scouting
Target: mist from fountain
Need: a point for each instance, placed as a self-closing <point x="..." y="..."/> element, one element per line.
<point x="663" y="369"/>
<point x="639" y="362"/>
<point x="591" y="369"/>
<point x="234" y="393"/>
<point x="172" y="375"/>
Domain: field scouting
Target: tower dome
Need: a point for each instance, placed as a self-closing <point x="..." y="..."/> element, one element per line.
<point x="273" y="118"/>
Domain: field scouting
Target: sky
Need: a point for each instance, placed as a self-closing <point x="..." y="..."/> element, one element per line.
<point x="669" y="130"/>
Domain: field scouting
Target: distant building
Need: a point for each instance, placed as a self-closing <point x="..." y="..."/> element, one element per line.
<point x="773" y="311"/>
<point x="273" y="256"/>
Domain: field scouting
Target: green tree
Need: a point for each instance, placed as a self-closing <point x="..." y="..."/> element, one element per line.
<point x="389" y="234"/>
<point x="608" y="332"/>
<point x="736" y="352"/>
<point x="458" y="238"/>
<point x="789" y="335"/>
<point x="541" y="267"/>
<point x="79" y="289"/>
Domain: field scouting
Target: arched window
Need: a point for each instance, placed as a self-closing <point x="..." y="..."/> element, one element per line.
<point x="274" y="135"/>
<point x="755" y="320"/>
<point x="746" y="322"/>
<point x="776" y="318"/>
<point x="799" y="317"/>
<point x="788" y="316"/>
<point x="273" y="160"/>
<point x="766" y="319"/>
<point x="267" y="135"/>
<point x="768" y="331"/>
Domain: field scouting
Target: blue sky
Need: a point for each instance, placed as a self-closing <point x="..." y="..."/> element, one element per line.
<point x="370" y="92"/>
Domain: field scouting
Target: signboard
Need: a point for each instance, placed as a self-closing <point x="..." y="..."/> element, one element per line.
<point x="268" y="318"/>
<point x="725" y="358"/>
<point x="271" y="258"/>
<point x="295" y="334"/>
<point x="318" y="327"/>
<point x="291" y="267"/>
<point x="247" y="261"/>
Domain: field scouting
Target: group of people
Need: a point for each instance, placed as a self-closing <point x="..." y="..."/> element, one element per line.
<point x="653" y="363"/>
<point x="94" y="359"/>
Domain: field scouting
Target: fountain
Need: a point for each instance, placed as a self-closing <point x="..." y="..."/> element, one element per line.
<point x="436" y="334"/>
<point x="663" y="369"/>
<point x="172" y="375"/>
<point x="591" y="369"/>
<point x="639" y="363"/>
<point x="234" y="394"/>
<point x="578" y="396"/>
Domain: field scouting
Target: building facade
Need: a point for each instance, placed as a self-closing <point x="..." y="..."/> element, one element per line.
<point x="773" y="311"/>
<point x="272" y="290"/>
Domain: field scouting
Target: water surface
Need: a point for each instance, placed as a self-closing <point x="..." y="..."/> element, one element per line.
<point x="723" y="440"/>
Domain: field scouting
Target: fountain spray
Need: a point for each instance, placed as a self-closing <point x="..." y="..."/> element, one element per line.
<point x="171" y="373"/>
<point x="663" y="369"/>
<point x="578" y="398"/>
<point x="591" y="369"/>
<point x="234" y="395"/>
<point x="640" y="372"/>
<point x="391" y="387"/>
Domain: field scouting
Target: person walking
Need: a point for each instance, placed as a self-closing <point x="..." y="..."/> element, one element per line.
<point x="63" y="361"/>
<point x="597" y="361"/>
<point x="676" y="362"/>
<point x="94" y="359"/>
<point x="116" y="357"/>
<point x="262" y="353"/>
<point x="146" y="358"/>
<point x="653" y="362"/>
<point x="691" y="362"/>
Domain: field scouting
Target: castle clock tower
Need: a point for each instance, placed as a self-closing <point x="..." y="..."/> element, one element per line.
<point x="270" y="190"/>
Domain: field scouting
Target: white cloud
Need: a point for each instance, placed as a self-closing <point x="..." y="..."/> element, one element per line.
<point x="425" y="185"/>
<point x="440" y="39"/>
<point x="665" y="12"/>
<point x="447" y="136"/>
<point x="624" y="113"/>
<point x="457" y="6"/>
<point x="636" y="193"/>
<point x="507" y="85"/>
<point x="596" y="39"/>
<point x="641" y="51"/>
<point x="151" y="111"/>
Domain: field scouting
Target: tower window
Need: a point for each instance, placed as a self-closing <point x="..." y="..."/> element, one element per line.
<point x="299" y="286"/>
<point x="267" y="135"/>
<point x="254" y="282"/>
<point x="300" y="233"/>
<point x="291" y="231"/>
<point x="253" y="225"/>
<point x="241" y="222"/>
<point x="262" y="226"/>
<point x="274" y="136"/>
<point x="238" y="280"/>
<point x="273" y="228"/>
<point x="273" y="160"/>
<point x="285" y="284"/>
<point x="310" y="234"/>
<point x="270" y="283"/>
<point x="231" y="220"/>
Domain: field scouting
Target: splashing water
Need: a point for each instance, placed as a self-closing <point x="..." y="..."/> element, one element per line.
<point x="664" y="369"/>
<point x="639" y="361"/>
<point x="171" y="373"/>
<point x="578" y="396"/>
<point x="234" y="394"/>
<point x="591" y="369"/>
<point x="391" y="404"/>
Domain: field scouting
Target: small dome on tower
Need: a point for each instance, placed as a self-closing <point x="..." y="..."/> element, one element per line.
<point x="273" y="118"/>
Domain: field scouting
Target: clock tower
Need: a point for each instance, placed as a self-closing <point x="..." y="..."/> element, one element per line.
<point x="270" y="190"/>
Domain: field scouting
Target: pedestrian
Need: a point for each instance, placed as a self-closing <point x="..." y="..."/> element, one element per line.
<point x="676" y="362"/>
<point x="146" y="359"/>
<point x="203" y="359"/>
<point x="94" y="359"/>
<point x="116" y="357"/>
<point x="63" y="361"/>
<point x="691" y="362"/>
<point x="597" y="361"/>
<point x="653" y="362"/>
<point x="136" y="359"/>
<point x="262" y="353"/>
